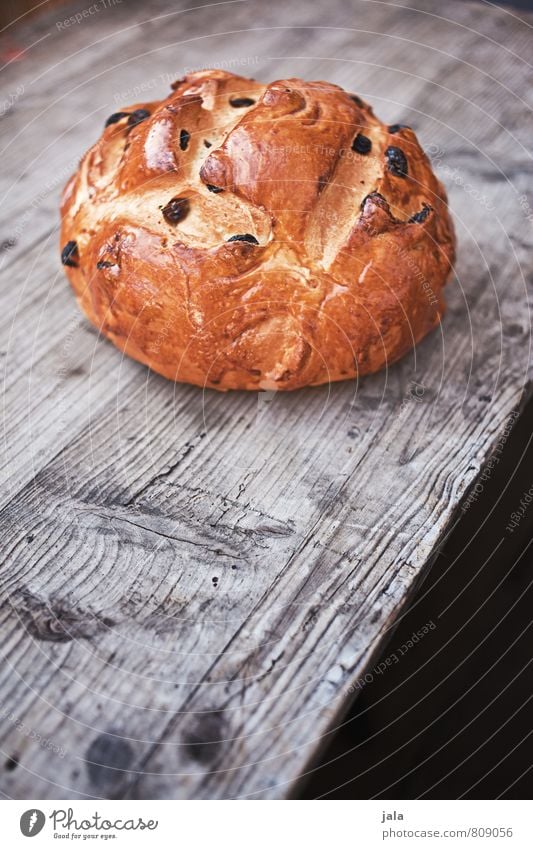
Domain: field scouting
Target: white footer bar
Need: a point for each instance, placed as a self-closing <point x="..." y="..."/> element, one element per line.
<point x="268" y="824"/>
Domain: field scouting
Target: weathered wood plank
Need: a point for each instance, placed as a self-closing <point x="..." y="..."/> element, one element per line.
<point x="192" y="580"/>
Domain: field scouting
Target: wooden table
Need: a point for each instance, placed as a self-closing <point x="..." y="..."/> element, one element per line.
<point x="193" y="583"/>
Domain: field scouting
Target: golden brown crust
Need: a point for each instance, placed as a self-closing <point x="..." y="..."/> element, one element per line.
<point x="346" y="248"/>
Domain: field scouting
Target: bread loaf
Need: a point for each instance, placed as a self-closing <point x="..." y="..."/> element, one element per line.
<point x="238" y="235"/>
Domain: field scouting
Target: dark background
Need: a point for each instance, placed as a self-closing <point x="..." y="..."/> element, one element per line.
<point x="455" y="717"/>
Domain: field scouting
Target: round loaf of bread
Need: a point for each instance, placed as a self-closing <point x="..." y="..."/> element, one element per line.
<point x="238" y="235"/>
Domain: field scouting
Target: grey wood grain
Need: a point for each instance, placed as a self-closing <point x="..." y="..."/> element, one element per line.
<point x="192" y="582"/>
